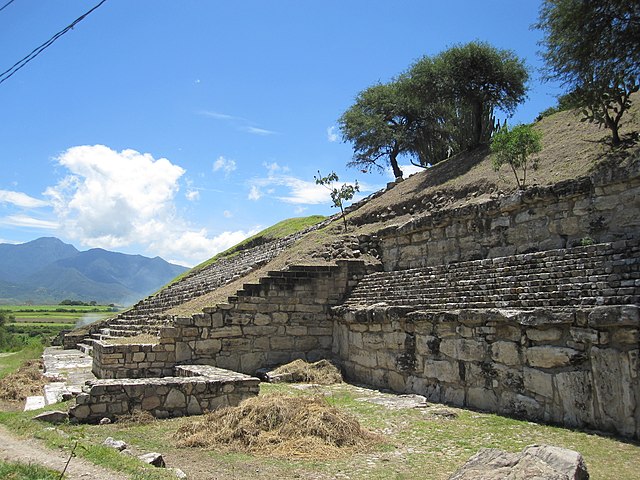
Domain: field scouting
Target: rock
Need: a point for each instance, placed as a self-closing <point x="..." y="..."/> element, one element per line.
<point x="55" y="416"/>
<point x="542" y="462"/>
<point x="179" y="473"/>
<point x="153" y="458"/>
<point x="117" y="444"/>
<point x="105" y="421"/>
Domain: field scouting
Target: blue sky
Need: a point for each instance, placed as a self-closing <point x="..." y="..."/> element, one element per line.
<point x="177" y="128"/>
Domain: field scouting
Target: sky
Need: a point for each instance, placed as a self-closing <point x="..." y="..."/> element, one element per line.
<point x="179" y="128"/>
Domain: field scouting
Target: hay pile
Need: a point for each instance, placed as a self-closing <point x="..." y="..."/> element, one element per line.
<point x="26" y="381"/>
<point x="322" y="372"/>
<point x="280" y="426"/>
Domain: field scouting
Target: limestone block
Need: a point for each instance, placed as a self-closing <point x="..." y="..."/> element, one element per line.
<point x="625" y="336"/>
<point x="584" y="335"/>
<point x="574" y="397"/>
<point x="355" y="339"/>
<point x="482" y="398"/>
<point x="551" y="357"/>
<point x="280" y="318"/>
<point x="364" y="358"/>
<point x="463" y="349"/>
<point x="304" y="344"/>
<point x="609" y="316"/>
<point x="538" y="382"/>
<point x="372" y="341"/>
<point x="427" y="345"/>
<point x="261" y="319"/>
<point x="183" y="352"/>
<point x="210" y="346"/>
<point x="80" y="412"/>
<point x="150" y="402"/>
<point x="453" y="395"/>
<point x="616" y="398"/>
<point x="397" y="382"/>
<point x="175" y="399"/>
<point x="193" y="406"/>
<point x="505" y="352"/>
<point x="442" y="370"/>
<point x="226" y="332"/>
<point x="544" y="335"/>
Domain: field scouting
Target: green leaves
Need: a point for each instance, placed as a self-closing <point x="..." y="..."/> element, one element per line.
<point x="514" y="147"/>
<point x="339" y="195"/>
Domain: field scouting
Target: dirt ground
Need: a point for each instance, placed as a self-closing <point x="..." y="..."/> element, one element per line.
<point x="31" y="450"/>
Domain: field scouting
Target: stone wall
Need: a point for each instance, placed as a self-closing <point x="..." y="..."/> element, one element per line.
<point x="283" y="318"/>
<point x="592" y="209"/>
<point x="196" y="389"/>
<point x="133" y="360"/>
<point x="575" y="367"/>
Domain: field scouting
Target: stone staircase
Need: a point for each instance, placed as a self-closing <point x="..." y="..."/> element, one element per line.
<point x="149" y="315"/>
<point x="602" y="274"/>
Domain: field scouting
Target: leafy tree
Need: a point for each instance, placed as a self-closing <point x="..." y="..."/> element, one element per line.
<point x="514" y="147"/>
<point x="338" y="195"/>
<point x="592" y="47"/>
<point x="478" y="78"/>
<point x="379" y="125"/>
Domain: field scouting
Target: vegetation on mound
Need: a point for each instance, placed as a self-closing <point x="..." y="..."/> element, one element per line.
<point x="274" y="232"/>
<point x="322" y="372"/>
<point x="281" y="426"/>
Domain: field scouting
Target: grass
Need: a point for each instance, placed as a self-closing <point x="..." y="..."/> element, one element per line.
<point x="10" y="362"/>
<point x="21" y="471"/>
<point x="54" y="313"/>
<point x="416" y="443"/>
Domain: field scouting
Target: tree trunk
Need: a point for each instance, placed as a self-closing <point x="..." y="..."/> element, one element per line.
<point x="393" y="160"/>
<point x="613" y="126"/>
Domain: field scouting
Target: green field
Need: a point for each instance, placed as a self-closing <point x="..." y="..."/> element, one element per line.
<point x="67" y="314"/>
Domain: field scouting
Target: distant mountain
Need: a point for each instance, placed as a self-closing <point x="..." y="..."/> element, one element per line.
<point x="48" y="270"/>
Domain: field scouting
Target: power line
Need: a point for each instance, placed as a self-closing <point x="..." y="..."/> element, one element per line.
<point x="38" y="50"/>
<point x="6" y="4"/>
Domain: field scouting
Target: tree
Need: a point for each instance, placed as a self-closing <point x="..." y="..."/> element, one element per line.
<point x="478" y="78"/>
<point x="338" y="195"/>
<point x="378" y="125"/>
<point x="592" y="47"/>
<point x="514" y="147"/>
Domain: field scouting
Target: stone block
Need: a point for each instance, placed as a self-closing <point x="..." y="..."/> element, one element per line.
<point x="544" y="335"/>
<point x="210" y="346"/>
<point x="610" y="316"/>
<point x="505" y="352"/>
<point x="538" y="382"/>
<point x="551" y="357"/>
<point x="574" y="398"/>
<point x="482" y="399"/>
<point x="464" y="349"/>
<point x="442" y="370"/>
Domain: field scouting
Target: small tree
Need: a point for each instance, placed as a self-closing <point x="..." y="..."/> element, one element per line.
<point x="338" y="195"/>
<point x="514" y="147"/>
<point x="592" y="47"/>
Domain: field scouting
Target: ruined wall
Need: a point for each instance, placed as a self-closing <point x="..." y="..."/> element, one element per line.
<point x="600" y="208"/>
<point x="283" y="318"/>
<point x="194" y="390"/>
<point x="577" y="367"/>
<point x="133" y="360"/>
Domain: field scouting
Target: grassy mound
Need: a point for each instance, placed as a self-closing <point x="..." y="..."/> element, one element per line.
<point x="322" y="372"/>
<point x="280" y="426"/>
<point x="26" y="381"/>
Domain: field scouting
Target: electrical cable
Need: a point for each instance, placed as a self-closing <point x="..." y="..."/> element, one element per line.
<point x="6" y="4"/>
<point x="38" y="50"/>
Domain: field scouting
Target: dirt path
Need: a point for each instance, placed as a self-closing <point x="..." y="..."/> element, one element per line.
<point x="33" y="451"/>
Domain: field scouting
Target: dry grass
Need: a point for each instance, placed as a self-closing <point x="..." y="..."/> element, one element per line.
<point x="26" y="381"/>
<point x="322" y="372"/>
<point x="279" y="426"/>
<point x="137" y="417"/>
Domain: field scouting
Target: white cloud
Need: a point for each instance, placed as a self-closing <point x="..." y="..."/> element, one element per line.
<point x="114" y="199"/>
<point x="227" y="214"/>
<point x="407" y="170"/>
<point x="20" y="199"/>
<point x="288" y="188"/>
<point x="258" y="131"/>
<point x="299" y="210"/>
<point x="192" y="195"/>
<point x="332" y="136"/>
<point x="254" y="193"/>
<point x="224" y="164"/>
<point x="30" y="222"/>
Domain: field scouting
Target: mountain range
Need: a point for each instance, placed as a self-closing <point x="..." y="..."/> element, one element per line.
<point x="47" y="271"/>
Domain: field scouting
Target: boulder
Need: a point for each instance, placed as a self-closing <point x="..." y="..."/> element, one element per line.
<point x="55" y="416"/>
<point x="153" y="458"/>
<point x="542" y="462"/>
<point x="119" y="445"/>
